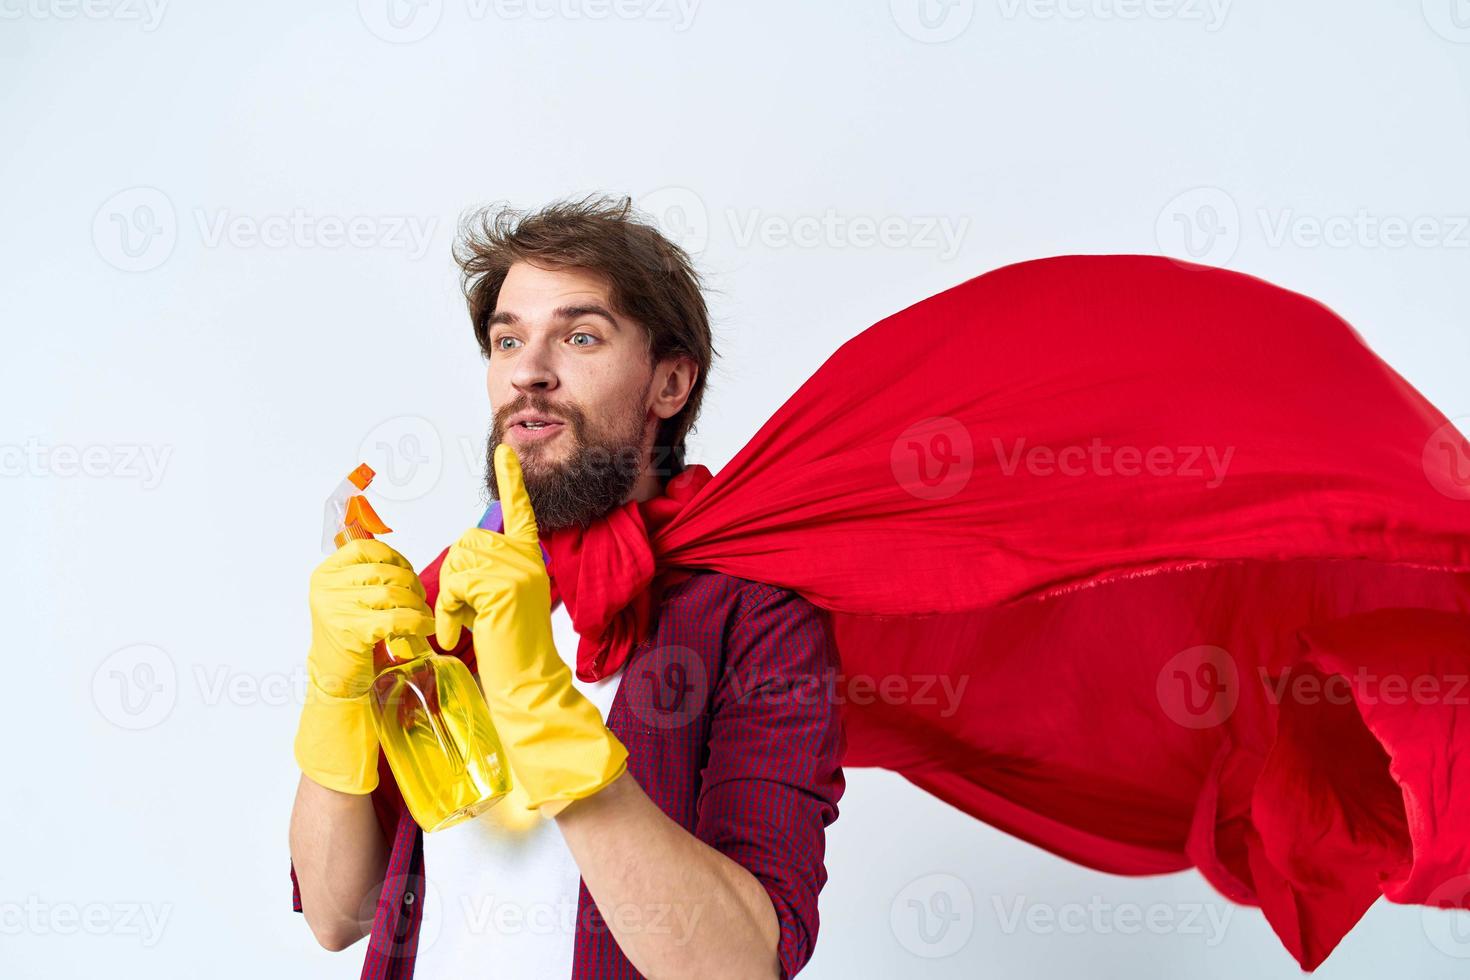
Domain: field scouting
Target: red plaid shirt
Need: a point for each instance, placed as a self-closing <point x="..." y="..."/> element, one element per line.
<point x="728" y="715"/>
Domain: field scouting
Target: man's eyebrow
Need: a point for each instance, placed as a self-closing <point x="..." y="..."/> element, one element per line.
<point x="585" y="309"/>
<point x="569" y="312"/>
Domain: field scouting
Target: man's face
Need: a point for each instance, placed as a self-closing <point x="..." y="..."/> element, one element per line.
<point x="574" y="392"/>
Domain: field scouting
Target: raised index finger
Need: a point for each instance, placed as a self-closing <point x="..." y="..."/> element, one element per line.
<point x="515" y="503"/>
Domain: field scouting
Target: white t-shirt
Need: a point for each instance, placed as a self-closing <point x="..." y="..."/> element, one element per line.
<point x="501" y="894"/>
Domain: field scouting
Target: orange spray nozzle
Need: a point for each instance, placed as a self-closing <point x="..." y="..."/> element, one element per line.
<point x="361" y="521"/>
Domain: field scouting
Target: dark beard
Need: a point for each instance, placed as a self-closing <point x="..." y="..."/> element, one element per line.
<point x="598" y="475"/>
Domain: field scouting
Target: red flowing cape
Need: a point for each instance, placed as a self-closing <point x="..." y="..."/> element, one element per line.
<point x="1149" y="564"/>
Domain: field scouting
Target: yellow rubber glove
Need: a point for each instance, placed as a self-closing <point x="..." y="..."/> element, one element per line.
<point x="496" y="584"/>
<point x="361" y="594"/>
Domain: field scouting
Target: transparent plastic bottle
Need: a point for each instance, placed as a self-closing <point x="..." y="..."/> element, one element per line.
<point x="429" y="712"/>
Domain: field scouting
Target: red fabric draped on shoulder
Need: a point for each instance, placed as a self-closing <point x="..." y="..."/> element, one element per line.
<point x="1150" y="564"/>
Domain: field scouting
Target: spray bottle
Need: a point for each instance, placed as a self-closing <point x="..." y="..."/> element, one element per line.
<point x="428" y="710"/>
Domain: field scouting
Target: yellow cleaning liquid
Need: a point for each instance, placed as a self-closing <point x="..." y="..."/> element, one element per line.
<point x="436" y="732"/>
<point x="429" y="712"/>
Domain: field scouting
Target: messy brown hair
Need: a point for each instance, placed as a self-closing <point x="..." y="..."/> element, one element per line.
<point x="652" y="281"/>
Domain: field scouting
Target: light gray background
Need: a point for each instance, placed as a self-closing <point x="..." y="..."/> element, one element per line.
<point x="182" y="387"/>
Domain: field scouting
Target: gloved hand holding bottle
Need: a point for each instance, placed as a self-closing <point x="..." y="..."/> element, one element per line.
<point x="362" y="593"/>
<point x="497" y="585"/>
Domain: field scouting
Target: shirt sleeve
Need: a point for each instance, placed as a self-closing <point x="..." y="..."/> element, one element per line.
<point x="774" y="772"/>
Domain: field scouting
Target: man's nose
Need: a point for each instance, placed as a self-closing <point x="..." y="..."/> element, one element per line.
<point x="534" y="368"/>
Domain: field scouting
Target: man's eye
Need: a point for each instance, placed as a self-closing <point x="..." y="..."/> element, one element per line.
<point x="499" y="343"/>
<point x="587" y="335"/>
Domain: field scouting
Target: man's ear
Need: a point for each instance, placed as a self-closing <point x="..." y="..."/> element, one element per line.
<point x="673" y="380"/>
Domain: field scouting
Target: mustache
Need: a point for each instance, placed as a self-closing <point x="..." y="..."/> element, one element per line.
<point x="570" y="413"/>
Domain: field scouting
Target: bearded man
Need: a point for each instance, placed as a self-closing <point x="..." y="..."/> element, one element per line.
<point x="672" y="825"/>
